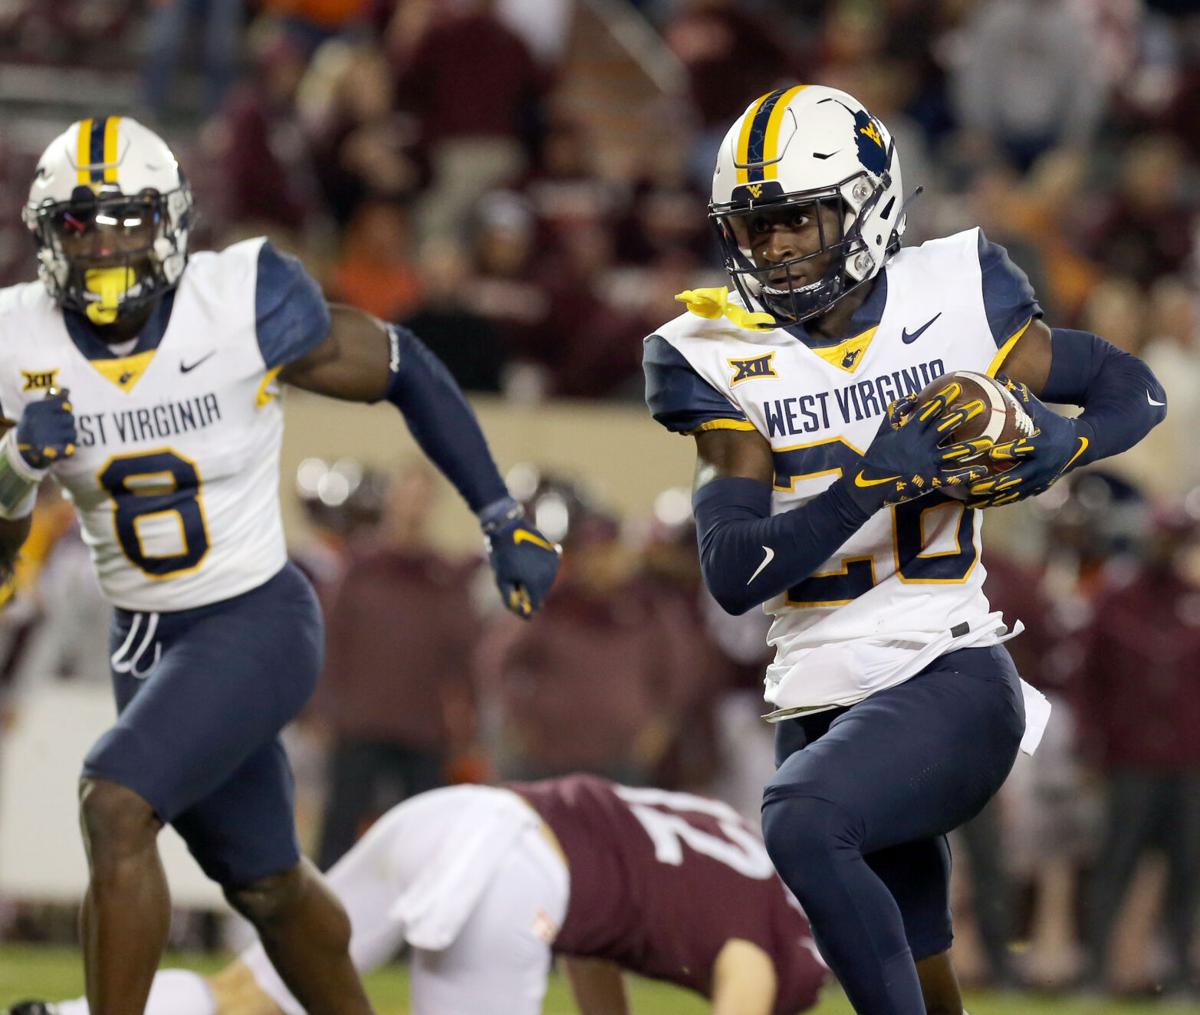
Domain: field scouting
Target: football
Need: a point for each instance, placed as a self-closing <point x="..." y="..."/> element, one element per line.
<point x="1003" y="418"/>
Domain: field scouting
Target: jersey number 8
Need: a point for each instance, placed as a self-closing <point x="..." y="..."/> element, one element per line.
<point x="146" y="488"/>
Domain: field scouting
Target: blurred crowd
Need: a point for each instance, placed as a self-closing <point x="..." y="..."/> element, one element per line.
<point x="431" y="162"/>
<point x="454" y="164"/>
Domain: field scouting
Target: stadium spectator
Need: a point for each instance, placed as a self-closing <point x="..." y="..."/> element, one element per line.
<point x="172" y="25"/>
<point x="375" y="270"/>
<point x="595" y="685"/>
<point x="1026" y="80"/>
<point x="395" y="691"/>
<point x="363" y="147"/>
<point x="480" y="117"/>
<point x="266" y="177"/>
<point x="1140" y="708"/>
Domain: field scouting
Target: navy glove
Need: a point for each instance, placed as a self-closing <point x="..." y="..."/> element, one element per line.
<point x="525" y="561"/>
<point x="46" y="430"/>
<point x="907" y="458"/>
<point x="1041" y="459"/>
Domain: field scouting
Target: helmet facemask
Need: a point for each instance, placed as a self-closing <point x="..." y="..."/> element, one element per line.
<point x="105" y="253"/>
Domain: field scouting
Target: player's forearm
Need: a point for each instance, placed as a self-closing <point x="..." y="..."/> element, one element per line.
<point x="1122" y="399"/>
<point x="748" y="556"/>
<point x="442" y="421"/>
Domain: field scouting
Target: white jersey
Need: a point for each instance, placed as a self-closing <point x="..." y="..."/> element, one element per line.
<point x="175" y="478"/>
<point x="908" y="586"/>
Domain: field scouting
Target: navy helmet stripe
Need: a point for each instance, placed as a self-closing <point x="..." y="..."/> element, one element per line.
<point x="758" y="134"/>
<point x="96" y="152"/>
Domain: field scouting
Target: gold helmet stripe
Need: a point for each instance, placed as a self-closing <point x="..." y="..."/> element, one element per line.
<point x="110" y="148"/>
<point x="743" y="147"/>
<point x="771" y="142"/>
<point x="83" y="153"/>
<point x="765" y="123"/>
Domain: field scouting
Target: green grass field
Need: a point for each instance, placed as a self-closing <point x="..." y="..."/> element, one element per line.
<point x="30" y="971"/>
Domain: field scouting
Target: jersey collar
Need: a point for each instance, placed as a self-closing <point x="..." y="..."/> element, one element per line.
<point x="865" y="317"/>
<point x="86" y="335"/>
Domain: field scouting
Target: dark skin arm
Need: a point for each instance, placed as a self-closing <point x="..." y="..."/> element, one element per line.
<point x="747" y="454"/>
<point x="351" y="363"/>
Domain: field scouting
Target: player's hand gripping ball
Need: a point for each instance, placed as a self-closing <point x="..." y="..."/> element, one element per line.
<point x="989" y="430"/>
<point x="46" y="430"/>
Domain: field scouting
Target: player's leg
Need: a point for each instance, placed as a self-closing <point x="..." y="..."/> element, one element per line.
<point x="918" y="876"/>
<point x="909" y="763"/>
<point x="499" y="961"/>
<point x="127" y="898"/>
<point x="197" y="740"/>
<point x="306" y="933"/>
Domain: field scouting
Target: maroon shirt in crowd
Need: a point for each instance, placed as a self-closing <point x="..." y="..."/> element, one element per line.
<point x="470" y="76"/>
<point x="1140" y="682"/>
<point x="399" y="636"/>
<point x="654" y="886"/>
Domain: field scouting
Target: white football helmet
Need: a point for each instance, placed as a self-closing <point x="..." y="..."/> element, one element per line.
<point x="110" y="210"/>
<point x="808" y="145"/>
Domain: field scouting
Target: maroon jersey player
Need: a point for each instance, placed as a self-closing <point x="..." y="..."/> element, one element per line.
<point x="486" y="884"/>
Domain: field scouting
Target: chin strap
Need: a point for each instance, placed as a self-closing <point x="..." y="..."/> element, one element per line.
<point x="714" y="303"/>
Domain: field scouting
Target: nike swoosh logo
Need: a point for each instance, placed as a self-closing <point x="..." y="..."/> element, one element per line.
<point x="770" y="556"/>
<point x="185" y="368"/>
<point x="908" y="337"/>
<point x="861" y="480"/>
<point x="1083" y="446"/>
<point x="1152" y="401"/>
<point x="525" y="536"/>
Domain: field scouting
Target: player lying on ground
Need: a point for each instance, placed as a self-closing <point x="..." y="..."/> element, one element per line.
<point x="146" y="382"/>
<point x="486" y="884"/>
<point x="899" y="711"/>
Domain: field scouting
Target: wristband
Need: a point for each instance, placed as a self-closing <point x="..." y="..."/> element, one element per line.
<point x="18" y="480"/>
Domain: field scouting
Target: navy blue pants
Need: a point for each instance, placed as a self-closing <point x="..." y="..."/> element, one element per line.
<point x="202" y="695"/>
<point x="856" y="816"/>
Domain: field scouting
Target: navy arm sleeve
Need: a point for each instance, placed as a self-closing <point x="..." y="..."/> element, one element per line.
<point x="1008" y="297"/>
<point x="441" y="420"/>
<point x="679" y="398"/>
<point x="748" y="556"/>
<point x="290" y="313"/>
<point x="1122" y="399"/>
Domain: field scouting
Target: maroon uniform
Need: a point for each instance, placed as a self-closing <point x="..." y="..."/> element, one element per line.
<point x="661" y="881"/>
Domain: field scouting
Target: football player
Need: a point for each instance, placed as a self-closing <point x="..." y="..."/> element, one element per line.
<point x="898" y="710"/>
<point x="485" y="884"/>
<point x="146" y="381"/>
